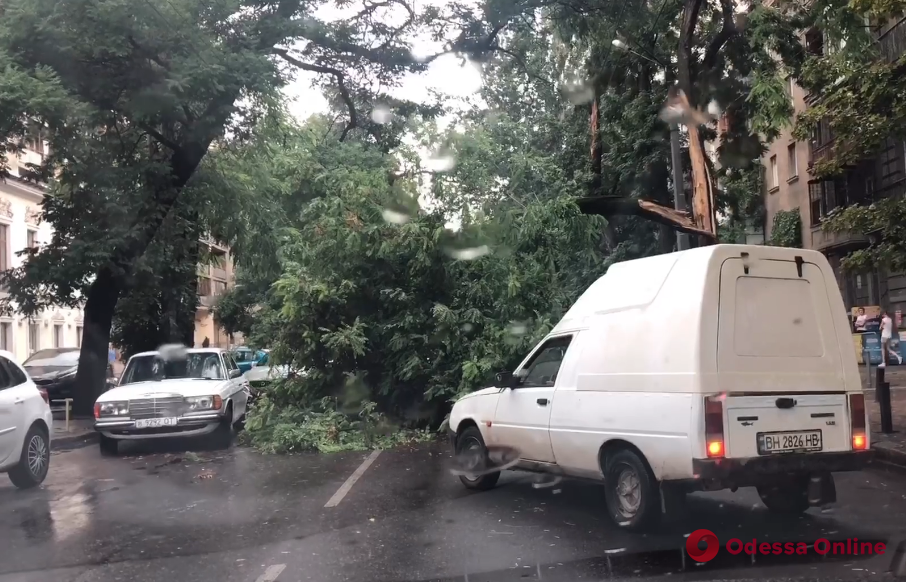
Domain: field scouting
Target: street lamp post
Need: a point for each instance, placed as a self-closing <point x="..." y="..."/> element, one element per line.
<point x="679" y="197"/>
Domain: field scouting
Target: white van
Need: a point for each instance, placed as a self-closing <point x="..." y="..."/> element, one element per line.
<point x="719" y="367"/>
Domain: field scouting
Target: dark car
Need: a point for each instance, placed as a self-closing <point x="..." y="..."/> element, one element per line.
<point x="54" y="369"/>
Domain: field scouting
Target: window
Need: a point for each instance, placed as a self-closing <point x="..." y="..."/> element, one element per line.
<point x="791" y="161"/>
<point x="32" y="240"/>
<point x="78" y="339"/>
<point x="58" y="335"/>
<point x="774" y="176"/>
<point x="6" y="336"/>
<point x="814" y="42"/>
<point x="16" y="375"/>
<point x="543" y="368"/>
<point x="5" y="380"/>
<point x="204" y="286"/>
<point x="33" y="337"/>
<point x="790" y="84"/>
<point x="4" y="247"/>
<point x="814" y="199"/>
<point x="219" y="287"/>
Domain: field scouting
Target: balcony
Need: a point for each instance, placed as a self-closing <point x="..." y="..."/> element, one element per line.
<point x="892" y="40"/>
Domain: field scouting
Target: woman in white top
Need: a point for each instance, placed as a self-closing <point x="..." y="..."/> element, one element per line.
<point x="886" y="334"/>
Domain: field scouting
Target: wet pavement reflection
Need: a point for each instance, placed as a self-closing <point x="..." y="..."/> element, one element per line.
<point x="175" y="512"/>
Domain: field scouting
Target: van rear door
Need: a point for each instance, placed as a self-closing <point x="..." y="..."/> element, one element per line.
<point x="778" y="360"/>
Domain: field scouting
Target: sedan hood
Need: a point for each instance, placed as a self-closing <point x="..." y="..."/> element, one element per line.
<point x="482" y="392"/>
<point x="182" y="387"/>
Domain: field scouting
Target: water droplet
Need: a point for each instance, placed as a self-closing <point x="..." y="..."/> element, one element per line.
<point x="469" y="254"/>
<point x="467" y="327"/>
<point x="381" y="114"/>
<point x="714" y="108"/>
<point x="441" y="162"/>
<point x="579" y="93"/>
<point x="517" y="329"/>
<point x="394" y="216"/>
<point x="172" y="352"/>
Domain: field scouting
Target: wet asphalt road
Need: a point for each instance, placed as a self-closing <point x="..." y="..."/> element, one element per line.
<point x="160" y="514"/>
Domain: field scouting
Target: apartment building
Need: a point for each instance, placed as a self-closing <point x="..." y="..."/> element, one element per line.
<point x="21" y="227"/>
<point x="790" y="185"/>
<point x="214" y="279"/>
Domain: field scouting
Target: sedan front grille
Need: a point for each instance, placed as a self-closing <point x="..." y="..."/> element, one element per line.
<point x="157" y="407"/>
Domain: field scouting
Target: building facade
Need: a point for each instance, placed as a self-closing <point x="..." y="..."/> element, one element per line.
<point x="213" y="281"/>
<point x="21" y="227"/>
<point x="791" y="186"/>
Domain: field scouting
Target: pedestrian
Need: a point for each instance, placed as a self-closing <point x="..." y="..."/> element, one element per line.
<point x="886" y="335"/>
<point x="206" y="343"/>
<point x="861" y="320"/>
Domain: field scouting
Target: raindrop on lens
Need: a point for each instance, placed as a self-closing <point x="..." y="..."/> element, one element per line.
<point x="441" y="162"/>
<point x="469" y="254"/>
<point x="394" y="217"/>
<point x="579" y="93"/>
<point x="173" y="352"/>
<point x="381" y="114"/>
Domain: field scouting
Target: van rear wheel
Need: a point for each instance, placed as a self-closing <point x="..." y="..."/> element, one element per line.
<point x="789" y="496"/>
<point x="631" y="492"/>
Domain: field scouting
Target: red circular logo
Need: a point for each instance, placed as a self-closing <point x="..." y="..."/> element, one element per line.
<point x="711" y="542"/>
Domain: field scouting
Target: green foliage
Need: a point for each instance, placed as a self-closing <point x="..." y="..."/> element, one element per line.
<point x="786" y="230"/>
<point x="323" y="428"/>
<point x="884" y="221"/>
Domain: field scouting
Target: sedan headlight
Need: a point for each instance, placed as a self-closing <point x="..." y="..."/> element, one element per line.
<point x="204" y="403"/>
<point x="112" y="408"/>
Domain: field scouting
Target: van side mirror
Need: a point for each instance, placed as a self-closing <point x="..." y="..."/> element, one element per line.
<point x="506" y="380"/>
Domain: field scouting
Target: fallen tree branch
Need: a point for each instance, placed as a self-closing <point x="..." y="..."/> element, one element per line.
<point x="648" y="209"/>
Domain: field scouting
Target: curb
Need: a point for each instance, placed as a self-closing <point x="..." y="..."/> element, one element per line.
<point x="71" y="441"/>
<point x="888" y="454"/>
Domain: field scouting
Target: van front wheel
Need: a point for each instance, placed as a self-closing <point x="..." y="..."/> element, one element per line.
<point x="789" y="496"/>
<point x="630" y="491"/>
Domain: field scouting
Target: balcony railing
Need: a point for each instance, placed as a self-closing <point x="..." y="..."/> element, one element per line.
<point x="892" y="40"/>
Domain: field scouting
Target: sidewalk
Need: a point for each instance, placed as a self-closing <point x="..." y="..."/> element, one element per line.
<point x="80" y="431"/>
<point x="890" y="448"/>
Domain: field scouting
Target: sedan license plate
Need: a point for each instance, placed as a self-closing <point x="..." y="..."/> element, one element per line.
<point x="770" y="443"/>
<point x="155" y="422"/>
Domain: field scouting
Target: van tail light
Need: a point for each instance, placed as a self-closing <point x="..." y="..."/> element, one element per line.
<point x="44" y="395"/>
<point x="714" y="427"/>
<point x="857" y="421"/>
<point x="97" y="410"/>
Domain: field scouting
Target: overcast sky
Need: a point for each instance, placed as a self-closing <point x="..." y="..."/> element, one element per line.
<point x="445" y="74"/>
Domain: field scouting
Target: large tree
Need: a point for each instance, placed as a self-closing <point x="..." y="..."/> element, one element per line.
<point x="131" y="97"/>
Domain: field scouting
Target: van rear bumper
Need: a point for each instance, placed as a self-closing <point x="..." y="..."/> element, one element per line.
<point x="754" y="470"/>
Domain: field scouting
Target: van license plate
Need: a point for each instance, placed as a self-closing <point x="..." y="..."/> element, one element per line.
<point x="770" y="443"/>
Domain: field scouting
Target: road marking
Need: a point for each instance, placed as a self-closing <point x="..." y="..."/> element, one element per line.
<point x="270" y="575"/>
<point x="345" y="487"/>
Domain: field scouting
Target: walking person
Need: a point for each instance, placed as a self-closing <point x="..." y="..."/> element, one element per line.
<point x="886" y="335"/>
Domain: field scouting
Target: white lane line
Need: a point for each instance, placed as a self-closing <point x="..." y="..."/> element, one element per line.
<point x="270" y="575"/>
<point x="345" y="487"/>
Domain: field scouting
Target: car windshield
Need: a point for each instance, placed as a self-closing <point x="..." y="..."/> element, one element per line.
<point x="47" y="358"/>
<point x="244" y="356"/>
<point x="151" y="368"/>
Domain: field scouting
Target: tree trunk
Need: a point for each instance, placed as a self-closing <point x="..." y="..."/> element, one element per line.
<point x="92" y="372"/>
<point x="702" y="191"/>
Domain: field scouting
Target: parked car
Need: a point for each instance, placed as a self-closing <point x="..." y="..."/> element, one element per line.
<point x="54" y="369"/>
<point x="263" y="374"/>
<point x="204" y="394"/>
<point x="246" y="358"/>
<point x="26" y="426"/>
<point x="719" y="367"/>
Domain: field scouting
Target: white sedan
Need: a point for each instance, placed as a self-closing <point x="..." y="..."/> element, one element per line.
<point x="26" y="424"/>
<point x="201" y="394"/>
